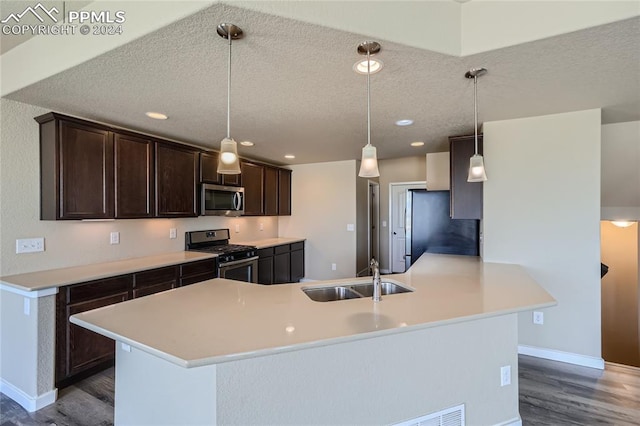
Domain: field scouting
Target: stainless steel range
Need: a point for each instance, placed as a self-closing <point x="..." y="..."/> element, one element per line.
<point x="235" y="262"/>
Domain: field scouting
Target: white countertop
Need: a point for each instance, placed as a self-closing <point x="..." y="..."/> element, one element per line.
<point x="222" y="320"/>
<point x="271" y="242"/>
<point x="39" y="280"/>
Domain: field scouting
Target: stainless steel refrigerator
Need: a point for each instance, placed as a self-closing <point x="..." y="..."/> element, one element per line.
<point x="429" y="228"/>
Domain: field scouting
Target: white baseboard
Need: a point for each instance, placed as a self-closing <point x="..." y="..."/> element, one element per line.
<point x="28" y="402"/>
<point x="568" y="357"/>
<point x="513" y="422"/>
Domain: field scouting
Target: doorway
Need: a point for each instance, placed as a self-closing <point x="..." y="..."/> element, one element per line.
<point x="397" y="219"/>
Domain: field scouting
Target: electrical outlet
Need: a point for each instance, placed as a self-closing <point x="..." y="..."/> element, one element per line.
<point x="538" y="317"/>
<point x="29" y="245"/>
<point x="505" y="375"/>
<point x="237" y="228"/>
<point x="115" y="238"/>
<point x="384" y="223"/>
<point x="261" y="226"/>
<point x="351" y="227"/>
<point x="173" y="233"/>
<point x="334" y="266"/>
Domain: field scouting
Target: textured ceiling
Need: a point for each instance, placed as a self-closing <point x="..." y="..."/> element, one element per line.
<point x="294" y="91"/>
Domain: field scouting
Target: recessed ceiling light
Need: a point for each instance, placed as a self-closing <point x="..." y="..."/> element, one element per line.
<point x="247" y="143"/>
<point x="405" y="122"/>
<point x="289" y="156"/>
<point x="156" y="115"/>
<point x="417" y="143"/>
<point x="361" y="66"/>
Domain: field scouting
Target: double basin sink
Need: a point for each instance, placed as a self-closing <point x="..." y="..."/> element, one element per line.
<point x="346" y="291"/>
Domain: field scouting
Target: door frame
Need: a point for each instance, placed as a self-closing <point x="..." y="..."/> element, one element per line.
<point x="418" y="185"/>
<point x="373" y="216"/>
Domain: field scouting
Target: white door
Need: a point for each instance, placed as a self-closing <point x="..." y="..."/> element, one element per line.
<point x="398" y="203"/>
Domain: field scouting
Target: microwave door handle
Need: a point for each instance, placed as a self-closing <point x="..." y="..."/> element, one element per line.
<point x="236" y="201"/>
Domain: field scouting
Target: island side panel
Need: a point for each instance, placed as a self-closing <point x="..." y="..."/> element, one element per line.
<point x="383" y="380"/>
<point x="151" y="391"/>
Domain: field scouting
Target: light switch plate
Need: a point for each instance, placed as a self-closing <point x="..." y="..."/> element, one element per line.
<point x="505" y="375"/>
<point x="29" y="245"/>
<point x="114" y="238"/>
<point x="173" y="233"/>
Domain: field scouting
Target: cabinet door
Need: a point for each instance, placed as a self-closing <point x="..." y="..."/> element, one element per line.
<point x="195" y="272"/>
<point x="253" y="181"/>
<point x="231" y="180"/>
<point x="133" y="177"/>
<point x="176" y="181"/>
<point x="270" y="191"/>
<point x="209" y="168"/>
<point x="154" y="281"/>
<point x="284" y="192"/>
<point x="297" y="262"/>
<point x="86" y="172"/>
<point x="265" y="266"/>
<point x="466" y="197"/>
<point x="282" y="264"/>
<point x="86" y="349"/>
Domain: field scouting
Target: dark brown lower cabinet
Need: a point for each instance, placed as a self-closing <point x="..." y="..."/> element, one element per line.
<point x="281" y="264"/>
<point x="195" y="272"/>
<point x="81" y="352"/>
<point x="154" y="281"/>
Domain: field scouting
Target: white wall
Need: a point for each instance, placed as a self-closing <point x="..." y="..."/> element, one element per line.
<point x="70" y="243"/>
<point x="323" y="202"/>
<point x="620" y="197"/>
<point x="542" y="210"/>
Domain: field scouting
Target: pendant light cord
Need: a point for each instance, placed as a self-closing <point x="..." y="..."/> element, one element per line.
<point x="368" y="99"/>
<point x="475" y="109"/>
<point x="229" y="91"/>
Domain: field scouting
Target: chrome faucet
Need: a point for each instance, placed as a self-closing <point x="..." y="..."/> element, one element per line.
<point x="377" y="285"/>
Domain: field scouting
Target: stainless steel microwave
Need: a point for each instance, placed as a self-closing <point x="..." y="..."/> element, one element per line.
<point x="218" y="200"/>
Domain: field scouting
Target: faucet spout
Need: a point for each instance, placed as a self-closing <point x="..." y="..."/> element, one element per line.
<point x="377" y="284"/>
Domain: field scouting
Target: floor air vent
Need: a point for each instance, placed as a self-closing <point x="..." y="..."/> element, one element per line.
<point x="453" y="416"/>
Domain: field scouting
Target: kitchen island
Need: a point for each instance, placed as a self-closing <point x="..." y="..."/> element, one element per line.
<point x="227" y="352"/>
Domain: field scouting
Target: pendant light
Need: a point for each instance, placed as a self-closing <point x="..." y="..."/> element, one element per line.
<point x="228" y="163"/>
<point x="369" y="163"/>
<point x="476" y="163"/>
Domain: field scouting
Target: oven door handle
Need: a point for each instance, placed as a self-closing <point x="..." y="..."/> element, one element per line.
<point x="237" y="262"/>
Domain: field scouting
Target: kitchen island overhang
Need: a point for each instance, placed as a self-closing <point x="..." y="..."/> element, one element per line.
<point x="439" y="346"/>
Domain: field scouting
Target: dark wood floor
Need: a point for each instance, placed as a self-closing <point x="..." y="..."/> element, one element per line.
<point x="551" y="393"/>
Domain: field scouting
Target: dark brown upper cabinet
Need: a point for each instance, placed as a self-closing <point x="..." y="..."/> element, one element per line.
<point x="209" y="168"/>
<point x="176" y="180"/>
<point x="284" y="192"/>
<point x="76" y="170"/>
<point x="466" y="197"/>
<point x="270" y="191"/>
<point x="253" y="181"/>
<point x="133" y="177"/>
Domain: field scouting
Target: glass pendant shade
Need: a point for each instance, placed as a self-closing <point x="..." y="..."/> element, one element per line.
<point x="476" y="169"/>
<point x="369" y="164"/>
<point x="228" y="163"/>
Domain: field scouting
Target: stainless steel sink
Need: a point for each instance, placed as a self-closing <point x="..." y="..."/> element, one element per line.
<point x="366" y="289"/>
<point x="330" y="294"/>
<point x="345" y="291"/>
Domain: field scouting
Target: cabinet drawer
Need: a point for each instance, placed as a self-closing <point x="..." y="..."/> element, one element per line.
<point x="98" y="288"/>
<point x="192" y="279"/>
<point x="297" y="246"/>
<point x="282" y="249"/>
<point x="156" y="276"/>
<point x="265" y="252"/>
<point x="152" y="289"/>
<point x="198" y="268"/>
